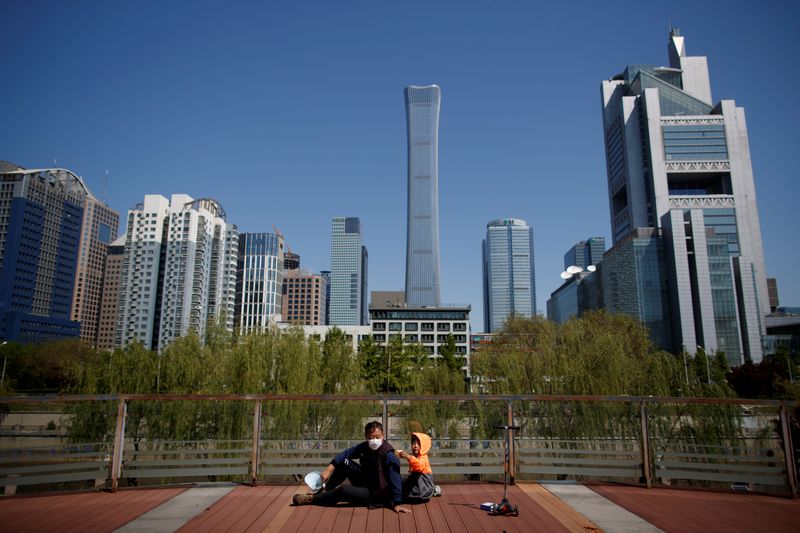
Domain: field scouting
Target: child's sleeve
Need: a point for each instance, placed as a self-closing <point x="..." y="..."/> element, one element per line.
<point x="415" y="464"/>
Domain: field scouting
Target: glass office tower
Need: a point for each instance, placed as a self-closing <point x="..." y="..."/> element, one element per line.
<point x="259" y="281"/>
<point x="679" y="162"/>
<point x="508" y="273"/>
<point x="422" y="245"/>
<point x="348" y="303"/>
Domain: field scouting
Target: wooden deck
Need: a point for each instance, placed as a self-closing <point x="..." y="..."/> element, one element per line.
<point x="268" y="508"/>
<point x="693" y="511"/>
<point x="89" y="511"/>
<point x="458" y="509"/>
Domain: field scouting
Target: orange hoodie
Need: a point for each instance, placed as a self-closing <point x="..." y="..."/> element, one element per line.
<point x="421" y="463"/>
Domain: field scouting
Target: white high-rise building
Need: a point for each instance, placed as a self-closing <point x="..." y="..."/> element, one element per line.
<point x="179" y="270"/>
<point x="680" y="163"/>
<point x="259" y="282"/>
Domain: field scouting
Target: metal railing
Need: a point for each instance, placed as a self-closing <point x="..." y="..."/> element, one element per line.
<point x="701" y="442"/>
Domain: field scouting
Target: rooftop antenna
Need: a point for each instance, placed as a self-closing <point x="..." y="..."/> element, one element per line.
<point x="105" y="185"/>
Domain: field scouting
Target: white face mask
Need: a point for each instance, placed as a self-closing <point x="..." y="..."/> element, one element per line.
<point x="374" y="444"/>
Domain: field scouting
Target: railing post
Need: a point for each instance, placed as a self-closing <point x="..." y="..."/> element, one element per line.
<point x="255" y="453"/>
<point x="115" y="466"/>
<point x="646" y="474"/>
<point x="788" y="451"/>
<point x="510" y="432"/>
<point x="385" y="418"/>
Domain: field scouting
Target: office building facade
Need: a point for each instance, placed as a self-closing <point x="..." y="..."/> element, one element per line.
<point x="585" y="253"/>
<point x="41" y="213"/>
<point x="426" y="326"/>
<point x="509" y="284"/>
<point x="422" y="244"/>
<point x="179" y="271"/>
<point x="349" y="259"/>
<point x="99" y="228"/>
<point x="259" y="281"/>
<point x="680" y="163"/>
<point x="109" y="297"/>
<point x="304" y="298"/>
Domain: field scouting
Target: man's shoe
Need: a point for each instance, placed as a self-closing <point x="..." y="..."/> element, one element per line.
<point x="302" y="499"/>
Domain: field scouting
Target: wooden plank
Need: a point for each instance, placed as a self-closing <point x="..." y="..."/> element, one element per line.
<point x="216" y="513"/>
<point x="597" y="472"/>
<point x="358" y="522"/>
<point x="726" y="478"/>
<point x="565" y="451"/>
<point x="53" y="478"/>
<point x="278" y="512"/>
<point x="558" y="509"/>
<point x="54" y="467"/>
<point x="465" y="509"/>
<point x="185" y="472"/>
<point x="577" y="461"/>
<point x="341" y="522"/>
<point x="187" y="462"/>
<point x="258" y="502"/>
<point x="776" y="470"/>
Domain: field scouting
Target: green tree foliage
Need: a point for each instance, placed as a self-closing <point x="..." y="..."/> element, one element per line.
<point x="596" y="354"/>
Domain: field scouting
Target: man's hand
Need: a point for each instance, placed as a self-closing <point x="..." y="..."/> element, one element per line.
<point x="401" y="509"/>
<point x="326" y="474"/>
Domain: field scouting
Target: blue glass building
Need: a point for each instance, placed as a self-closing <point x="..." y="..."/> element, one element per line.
<point x="41" y="213"/>
<point x="422" y="245"/>
<point x="509" y="284"/>
<point x="259" y="281"/>
<point x="585" y="253"/>
<point x="348" y="277"/>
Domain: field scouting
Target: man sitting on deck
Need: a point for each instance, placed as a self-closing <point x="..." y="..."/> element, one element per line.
<point x="374" y="480"/>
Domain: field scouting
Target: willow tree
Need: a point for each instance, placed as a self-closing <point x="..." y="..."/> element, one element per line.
<point x="597" y="354"/>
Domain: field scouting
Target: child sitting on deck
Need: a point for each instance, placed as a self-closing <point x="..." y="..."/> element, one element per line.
<point x="418" y="486"/>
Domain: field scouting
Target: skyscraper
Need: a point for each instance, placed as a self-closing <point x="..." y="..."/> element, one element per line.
<point x="259" y="281"/>
<point x="348" y="304"/>
<point x="109" y="298"/>
<point x="41" y="212"/>
<point x="585" y="253"/>
<point x="99" y="228"/>
<point x="680" y="163"/>
<point x="422" y="244"/>
<point x="179" y="270"/>
<point x="509" y="284"/>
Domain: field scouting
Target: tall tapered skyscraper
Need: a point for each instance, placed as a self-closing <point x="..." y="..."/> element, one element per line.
<point x="422" y="245"/>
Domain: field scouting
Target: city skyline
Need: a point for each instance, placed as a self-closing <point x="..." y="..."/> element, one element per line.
<point x="540" y="137"/>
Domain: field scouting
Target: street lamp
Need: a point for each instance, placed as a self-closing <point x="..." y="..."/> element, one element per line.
<point x="3" y="378"/>
<point x="708" y="370"/>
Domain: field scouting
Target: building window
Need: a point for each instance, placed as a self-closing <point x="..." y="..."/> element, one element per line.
<point x="412" y="326"/>
<point x="395" y="326"/>
<point x="379" y="326"/>
<point x="427" y="326"/>
<point x="442" y="326"/>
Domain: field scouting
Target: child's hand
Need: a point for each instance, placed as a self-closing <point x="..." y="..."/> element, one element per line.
<point x="401" y="454"/>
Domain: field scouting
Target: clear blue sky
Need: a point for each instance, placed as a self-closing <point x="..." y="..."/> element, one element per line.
<point x="290" y="113"/>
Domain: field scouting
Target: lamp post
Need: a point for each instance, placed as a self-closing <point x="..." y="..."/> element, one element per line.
<point x="3" y="378"/>
<point x="708" y="370"/>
